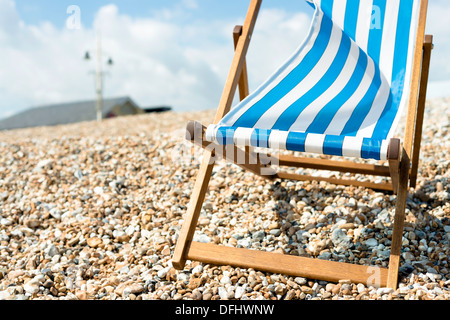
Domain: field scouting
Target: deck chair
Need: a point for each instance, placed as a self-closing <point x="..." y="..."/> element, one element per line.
<point x="341" y="94"/>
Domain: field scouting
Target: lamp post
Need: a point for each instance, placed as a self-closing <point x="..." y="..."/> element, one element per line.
<point x="99" y="73"/>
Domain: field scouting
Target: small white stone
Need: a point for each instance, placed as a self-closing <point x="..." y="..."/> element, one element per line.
<point x="225" y="280"/>
<point x="203" y="238"/>
<point x="197" y="270"/>
<point x="408" y="256"/>
<point x="239" y="292"/>
<point x="5" y="222"/>
<point x="361" y="287"/>
<point x="55" y="213"/>
<point x="300" y="280"/>
<point x="130" y="230"/>
<point x="244" y="243"/>
<point x="223" y="293"/>
<point x="32" y="286"/>
<point x="371" y="242"/>
<point x="382" y="291"/>
<point x="4" y="295"/>
<point x="145" y="233"/>
<point x="163" y="272"/>
<point x="57" y="233"/>
<point x="182" y="277"/>
<point x="98" y="190"/>
<point x="404" y="289"/>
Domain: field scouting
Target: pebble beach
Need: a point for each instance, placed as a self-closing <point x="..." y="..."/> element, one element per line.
<point x="92" y="211"/>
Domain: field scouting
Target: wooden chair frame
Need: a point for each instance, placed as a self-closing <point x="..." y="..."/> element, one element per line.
<point x="402" y="168"/>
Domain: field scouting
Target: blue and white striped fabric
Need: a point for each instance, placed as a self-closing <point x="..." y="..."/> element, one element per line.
<point x="342" y="92"/>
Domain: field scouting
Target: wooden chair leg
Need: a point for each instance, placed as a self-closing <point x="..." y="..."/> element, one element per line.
<point x="204" y="175"/>
<point x="243" y="79"/>
<point x="427" y="48"/>
<point x="244" y="90"/>
<point x="394" y="162"/>
<point x="399" y="221"/>
<point x="193" y="213"/>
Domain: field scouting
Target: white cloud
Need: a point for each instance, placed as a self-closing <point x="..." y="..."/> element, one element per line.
<point x="438" y="89"/>
<point x="191" y="4"/>
<point x="156" y="61"/>
<point x="41" y="64"/>
<point x="9" y="19"/>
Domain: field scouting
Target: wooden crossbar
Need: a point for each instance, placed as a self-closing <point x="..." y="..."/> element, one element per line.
<point x="343" y="182"/>
<point x="311" y="268"/>
<point x="333" y="165"/>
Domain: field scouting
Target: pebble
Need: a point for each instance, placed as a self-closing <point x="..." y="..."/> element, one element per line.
<point x="81" y="294"/>
<point x="383" y="291"/>
<point x="134" y="288"/>
<point x="32" y="286"/>
<point x="225" y="280"/>
<point x="223" y="294"/>
<point x="6" y="222"/>
<point x="93" y="211"/>
<point x="371" y="242"/>
<point x="196" y="271"/>
<point x="94" y="242"/>
<point x="239" y="292"/>
<point x="163" y="272"/>
<point x="340" y="239"/>
<point x="5" y="295"/>
<point x="259" y="235"/>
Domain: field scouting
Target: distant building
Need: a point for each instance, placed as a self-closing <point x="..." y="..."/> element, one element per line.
<point x="157" y="109"/>
<point x="74" y="112"/>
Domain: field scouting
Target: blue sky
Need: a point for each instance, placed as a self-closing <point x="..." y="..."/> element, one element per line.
<point x="166" y="52"/>
<point x="35" y="11"/>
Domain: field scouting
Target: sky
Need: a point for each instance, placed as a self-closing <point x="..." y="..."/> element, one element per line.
<point x="165" y="52"/>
